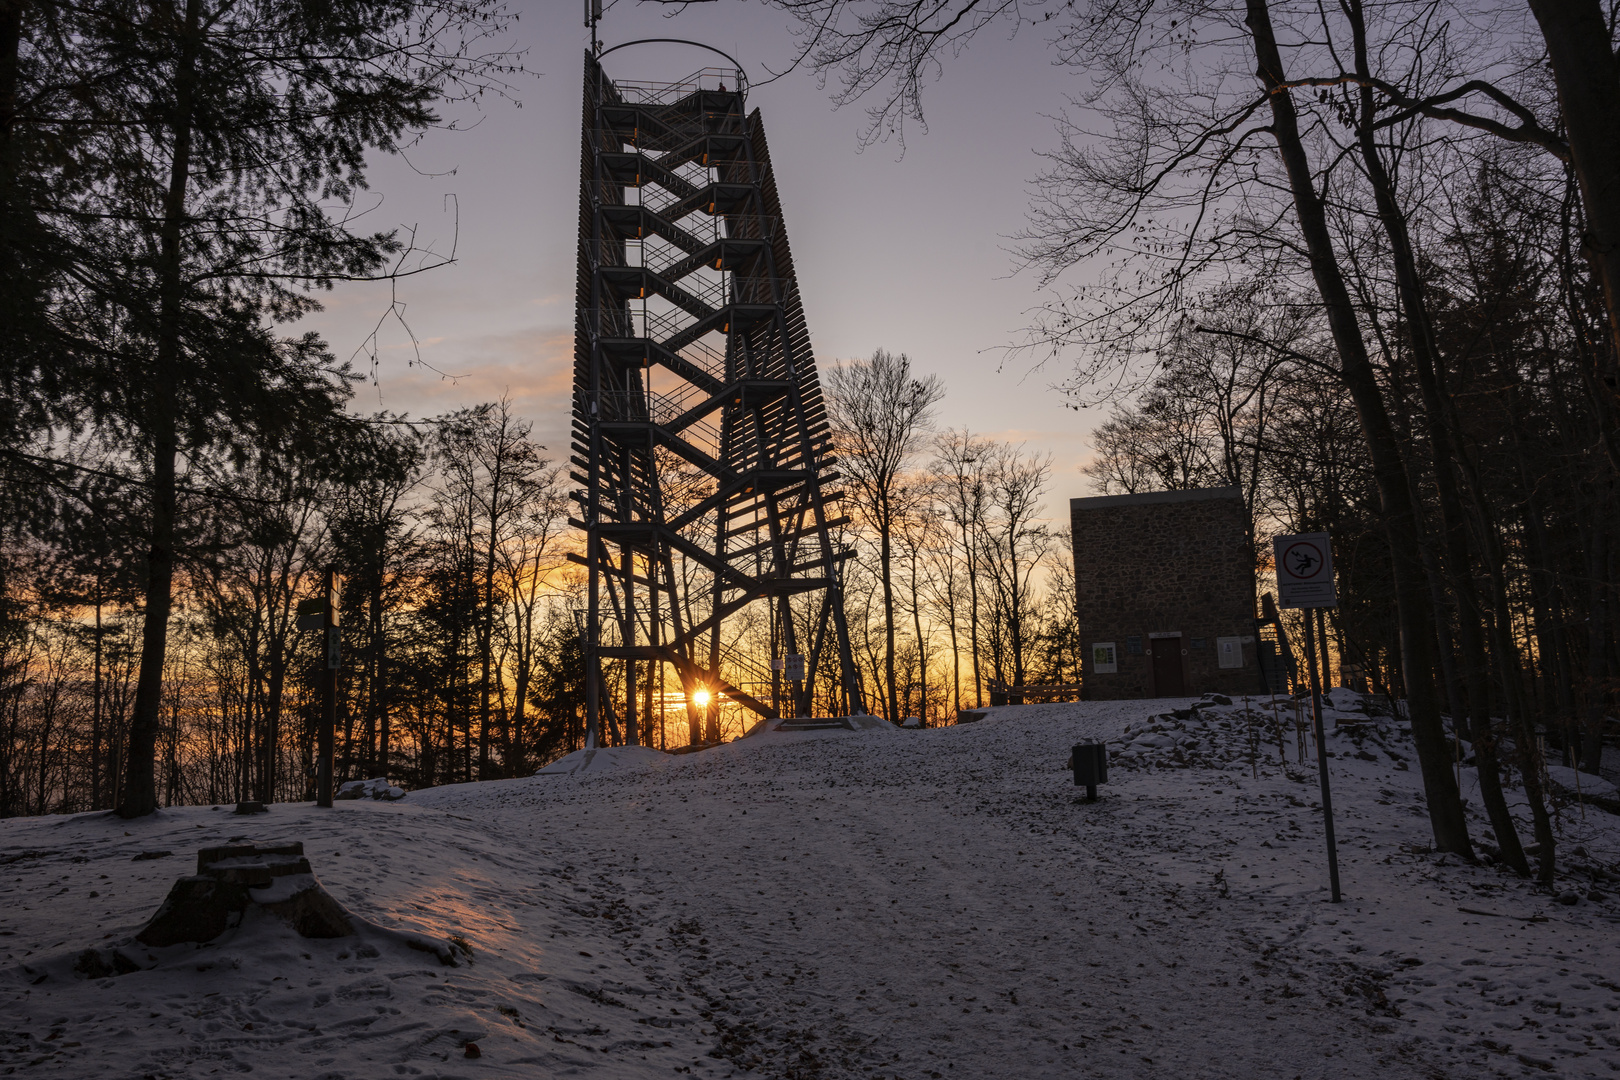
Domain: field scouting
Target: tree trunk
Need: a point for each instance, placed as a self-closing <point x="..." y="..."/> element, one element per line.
<point x="380" y="701"/>
<point x="486" y="629"/>
<point x="1431" y="373"/>
<point x="1326" y="673"/>
<point x="1499" y="629"/>
<point x="1584" y="67"/>
<point x="523" y="667"/>
<point x="1597" y="561"/>
<point x="885" y="555"/>
<point x="973" y="620"/>
<point x="956" y="648"/>
<point x="95" y="707"/>
<point x="140" y="790"/>
<point x="271" y="709"/>
<point x="922" y="653"/>
<point x="1447" y="654"/>
<point x="10" y="49"/>
<point x="1553" y="652"/>
<point x="1524" y="728"/>
<point x="1412" y="607"/>
<point x="376" y="725"/>
<point x="140" y="781"/>
<point x="1015" y="617"/>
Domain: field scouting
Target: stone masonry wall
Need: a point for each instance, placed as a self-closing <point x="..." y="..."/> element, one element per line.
<point x="1161" y="563"/>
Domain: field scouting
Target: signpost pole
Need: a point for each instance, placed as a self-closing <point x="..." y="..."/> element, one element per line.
<point x="793" y="669"/>
<point x="1322" y="766"/>
<point x="1305" y="581"/>
<point x="328" y="729"/>
<point x="776" y="683"/>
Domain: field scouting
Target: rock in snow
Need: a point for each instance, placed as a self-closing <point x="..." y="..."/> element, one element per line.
<point x="378" y="788"/>
<point x="833" y="905"/>
<point x="1573" y="783"/>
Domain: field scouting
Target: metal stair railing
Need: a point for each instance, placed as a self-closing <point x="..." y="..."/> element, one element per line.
<point x="667" y="93"/>
<point x="741" y="672"/>
<point x="661" y="409"/>
<point x="663" y="326"/>
<point x="629" y="323"/>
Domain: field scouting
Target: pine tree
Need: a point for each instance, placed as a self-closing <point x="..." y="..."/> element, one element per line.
<point x="220" y="148"/>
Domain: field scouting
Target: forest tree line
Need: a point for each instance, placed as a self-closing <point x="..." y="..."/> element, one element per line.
<point x="179" y="181"/>
<point x="459" y="610"/>
<point x="457" y="614"/>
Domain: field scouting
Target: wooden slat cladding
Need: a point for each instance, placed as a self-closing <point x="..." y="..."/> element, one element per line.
<point x="706" y="494"/>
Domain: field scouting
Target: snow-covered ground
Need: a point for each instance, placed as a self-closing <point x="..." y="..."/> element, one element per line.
<point x="907" y="904"/>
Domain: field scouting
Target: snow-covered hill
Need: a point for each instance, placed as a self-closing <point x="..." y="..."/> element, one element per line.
<point x="910" y="904"/>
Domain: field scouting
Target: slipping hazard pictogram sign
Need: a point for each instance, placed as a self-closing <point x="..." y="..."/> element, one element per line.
<point x="1305" y="571"/>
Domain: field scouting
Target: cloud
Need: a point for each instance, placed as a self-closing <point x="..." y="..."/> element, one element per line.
<point x="532" y="366"/>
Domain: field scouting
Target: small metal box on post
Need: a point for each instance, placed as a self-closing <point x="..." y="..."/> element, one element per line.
<point x="1089" y="760"/>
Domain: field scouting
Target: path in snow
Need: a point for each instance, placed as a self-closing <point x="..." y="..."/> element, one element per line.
<point x="899" y="904"/>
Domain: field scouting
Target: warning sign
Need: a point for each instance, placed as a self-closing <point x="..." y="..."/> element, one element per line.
<point x="1305" y="571"/>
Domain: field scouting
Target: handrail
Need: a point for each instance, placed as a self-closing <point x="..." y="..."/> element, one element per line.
<point x="742" y="76"/>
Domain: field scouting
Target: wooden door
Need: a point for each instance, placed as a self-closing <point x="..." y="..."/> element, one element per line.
<point x="1167" y="680"/>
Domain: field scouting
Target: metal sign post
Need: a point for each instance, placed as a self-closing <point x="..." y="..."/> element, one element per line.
<point x="1305" y="581"/>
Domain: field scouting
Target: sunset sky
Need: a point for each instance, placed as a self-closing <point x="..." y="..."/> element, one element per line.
<point x="905" y="252"/>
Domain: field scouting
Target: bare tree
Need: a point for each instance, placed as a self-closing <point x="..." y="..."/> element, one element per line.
<point x="1015" y="543"/>
<point x="919" y="532"/>
<point x="264" y="556"/>
<point x="375" y="533"/>
<point x="960" y="465"/>
<point x="528" y="559"/>
<point x="880" y="413"/>
<point x="1159" y="444"/>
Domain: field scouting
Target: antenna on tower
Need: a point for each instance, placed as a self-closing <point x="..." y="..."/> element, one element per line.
<point x="593" y="15"/>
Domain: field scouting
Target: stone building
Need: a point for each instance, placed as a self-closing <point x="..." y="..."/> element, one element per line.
<point x="1164" y="594"/>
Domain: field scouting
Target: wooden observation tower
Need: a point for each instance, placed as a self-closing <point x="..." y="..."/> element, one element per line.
<point x="700" y="439"/>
